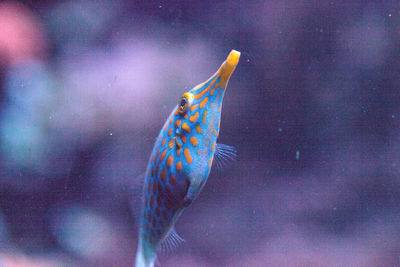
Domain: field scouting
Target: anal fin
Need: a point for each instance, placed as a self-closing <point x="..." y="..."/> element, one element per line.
<point x="171" y="241"/>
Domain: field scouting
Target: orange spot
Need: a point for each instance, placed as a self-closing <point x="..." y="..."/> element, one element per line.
<point x="209" y="164"/>
<point x="193" y="140"/>
<point x="171" y="143"/>
<point x="170" y="121"/>
<point x="157" y="169"/>
<point x="183" y="137"/>
<point x="170" y="131"/>
<point x="212" y="146"/>
<point x="212" y="105"/>
<point x="178" y="152"/>
<point x="158" y="211"/>
<point x="206" y="90"/>
<point x="159" y="187"/>
<point x="172" y="180"/>
<point x="185" y="127"/>
<point x="203" y="103"/>
<point x="163" y="155"/>
<point x="215" y="132"/>
<point x="216" y="86"/>
<point x="170" y="160"/>
<point x="163" y="141"/>
<point x="151" y="202"/>
<point x="176" y="112"/>
<point x="198" y="128"/>
<point x="170" y="194"/>
<point x="165" y="215"/>
<point x="186" y="115"/>
<point x="198" y="152"/>
<point x="177" y="123"/>
<point x="205" y="116"/>
<point x="166" y="126"/>
<point x="163" y="174"/>
<point x="194" y="117"/>
<point x="158" y="152"/>
<point x="212" y="91"/>
<point x="179" y="166"/>
<point x="194" y="107"/>
<point x="188" y="157"/>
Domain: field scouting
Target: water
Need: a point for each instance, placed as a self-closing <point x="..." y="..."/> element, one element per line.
<point x="312" y="109"/>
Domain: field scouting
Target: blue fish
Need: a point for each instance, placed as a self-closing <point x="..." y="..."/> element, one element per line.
<point x="181" y="161"/>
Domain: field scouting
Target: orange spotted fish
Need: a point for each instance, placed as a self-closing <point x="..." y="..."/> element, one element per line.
<point x="181" y="161"/>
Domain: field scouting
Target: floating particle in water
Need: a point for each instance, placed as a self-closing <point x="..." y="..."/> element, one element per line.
<point x="280" y="129"/>
<point x="297" y="155"/>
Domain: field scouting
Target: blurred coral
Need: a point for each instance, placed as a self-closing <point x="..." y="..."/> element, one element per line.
<point x="313" y="110"/>
<point x="22" y="36"/>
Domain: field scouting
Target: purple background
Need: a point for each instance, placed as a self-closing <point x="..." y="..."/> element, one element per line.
<point x="313" y="109"/>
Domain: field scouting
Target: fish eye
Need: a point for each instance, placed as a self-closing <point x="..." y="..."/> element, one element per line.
<point x="184" y="102"/>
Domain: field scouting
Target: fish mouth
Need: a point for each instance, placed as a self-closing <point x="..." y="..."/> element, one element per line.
<point x="222" y="75"/>
<point x="228" y="67"/>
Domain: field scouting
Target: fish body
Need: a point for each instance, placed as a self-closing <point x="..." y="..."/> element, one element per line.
<point x="181" y="161"/>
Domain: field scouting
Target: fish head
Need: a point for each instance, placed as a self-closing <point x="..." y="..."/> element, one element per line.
<point x="197" y="121"/>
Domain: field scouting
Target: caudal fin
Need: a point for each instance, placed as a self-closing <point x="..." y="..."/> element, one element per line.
<point x="145" y="256"/>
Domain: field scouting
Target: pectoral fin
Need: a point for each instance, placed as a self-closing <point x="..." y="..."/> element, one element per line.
<point x="224" y="155"/>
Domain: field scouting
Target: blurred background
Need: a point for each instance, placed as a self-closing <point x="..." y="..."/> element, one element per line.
<point x="313" y="109"/>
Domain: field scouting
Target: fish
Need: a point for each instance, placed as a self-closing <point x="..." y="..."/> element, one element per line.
<point x="181" y="161"/>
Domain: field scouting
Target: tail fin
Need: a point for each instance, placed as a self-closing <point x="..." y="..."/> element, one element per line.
<point x="145" y="256"/>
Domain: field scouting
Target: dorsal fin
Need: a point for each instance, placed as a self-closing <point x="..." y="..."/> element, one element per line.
<point x="171" y="241"/>
<point x="224" y="155"/>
